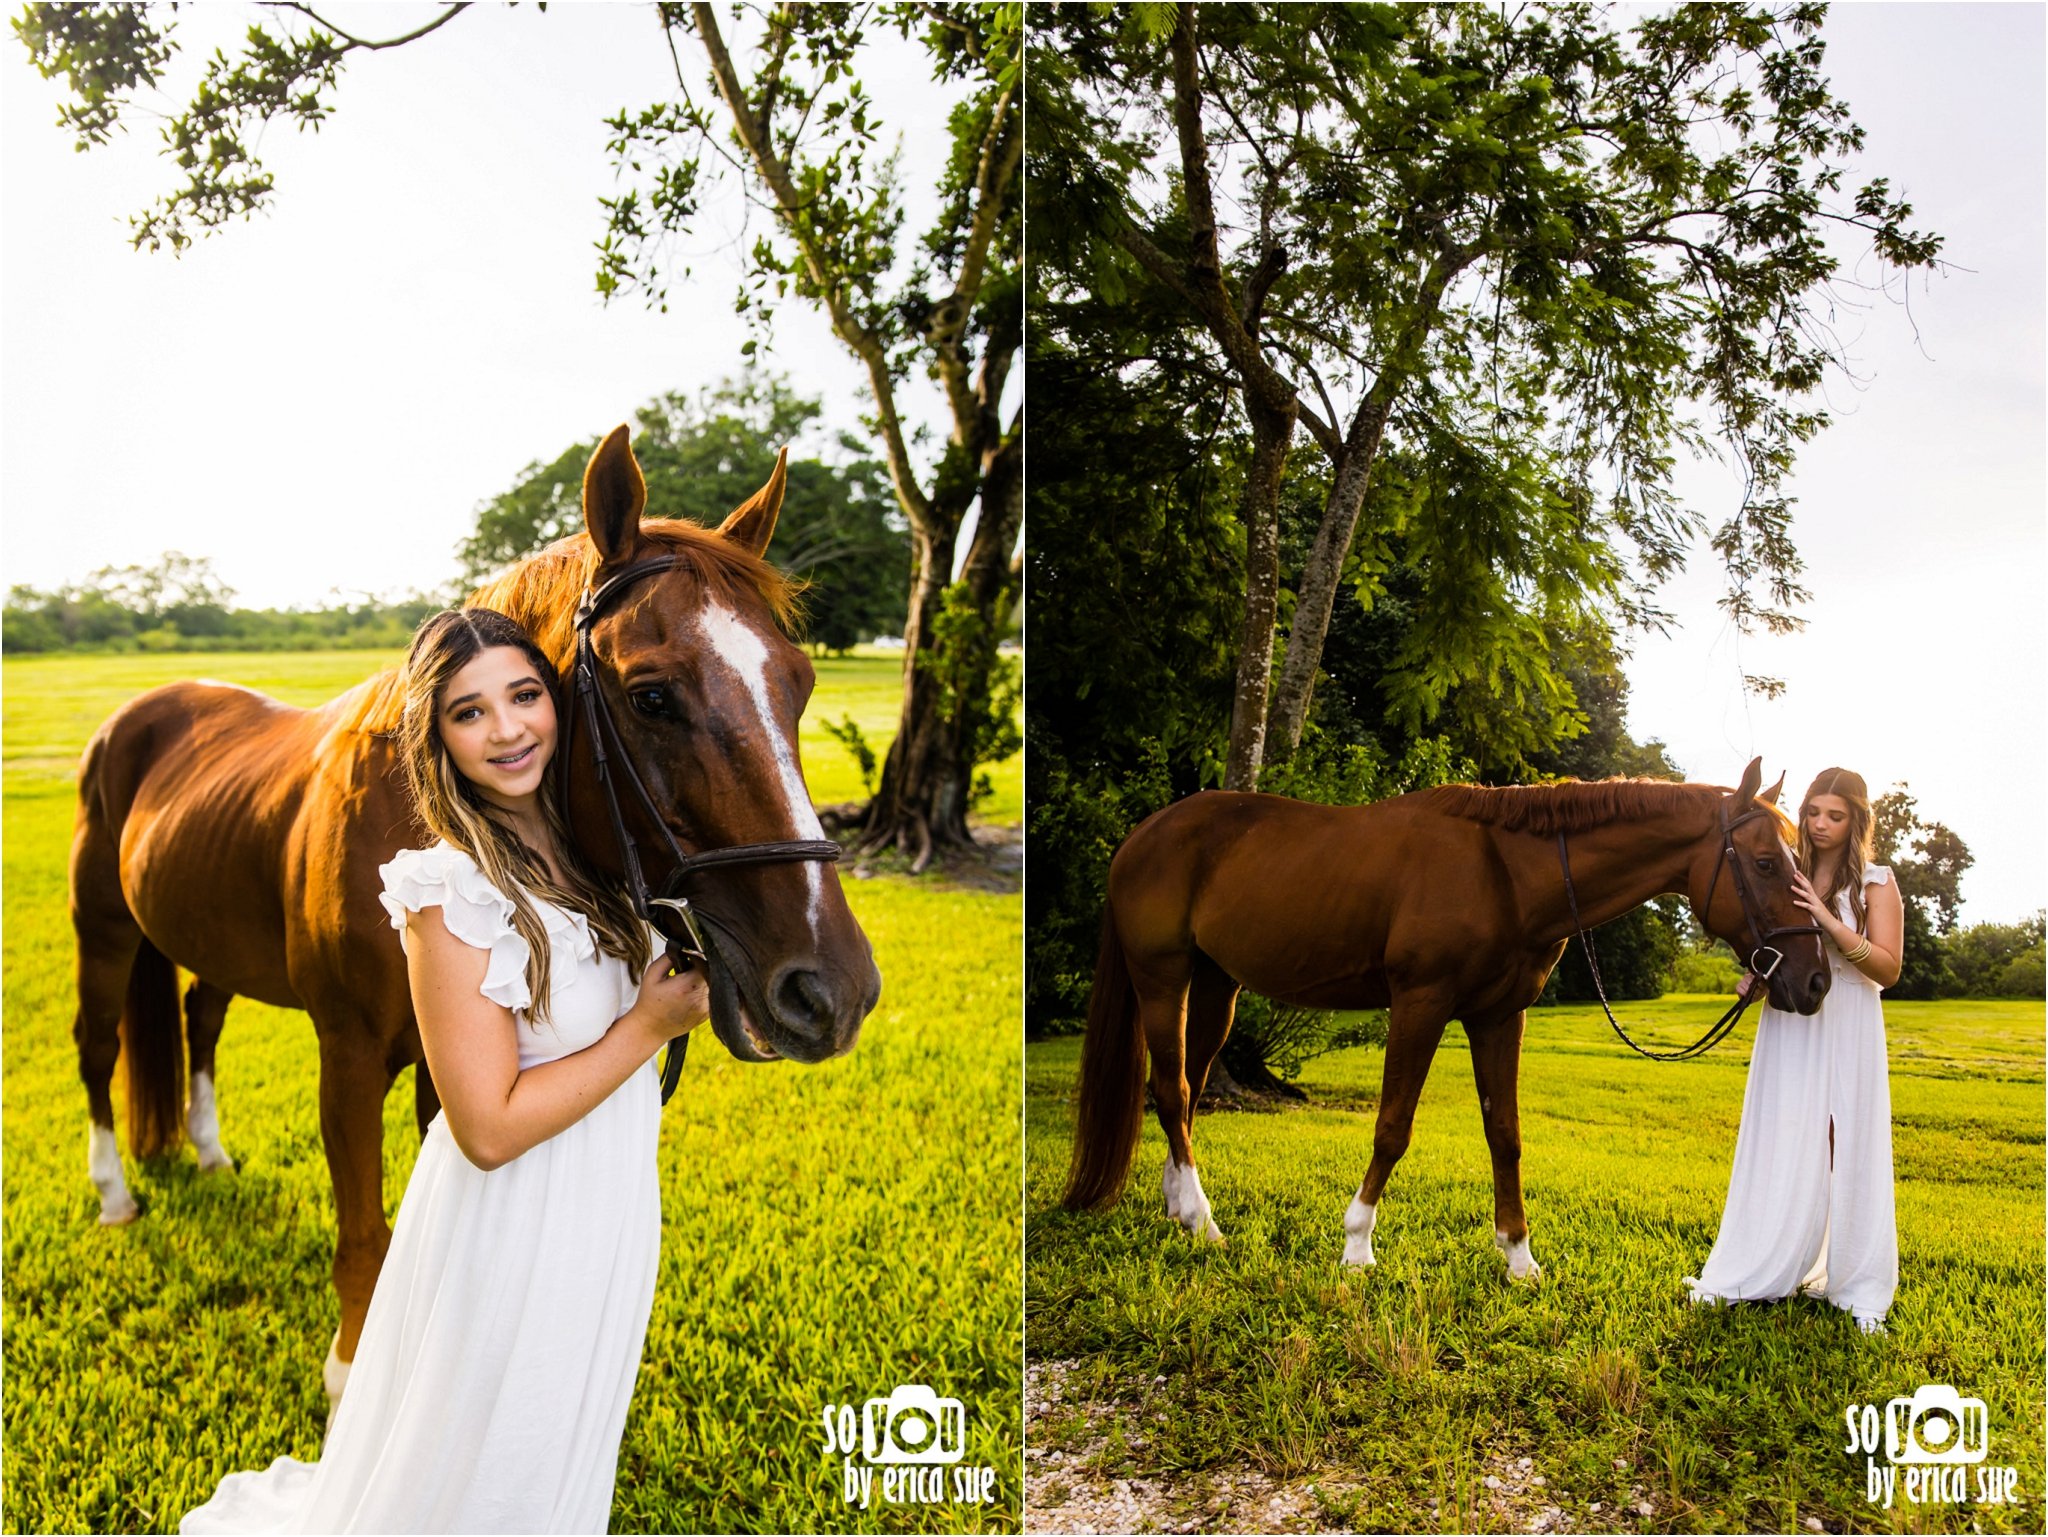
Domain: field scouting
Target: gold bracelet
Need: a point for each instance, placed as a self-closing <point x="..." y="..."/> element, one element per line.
<point x="1861" y="952"/>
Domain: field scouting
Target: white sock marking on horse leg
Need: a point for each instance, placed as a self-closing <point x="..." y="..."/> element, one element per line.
<point x="1359" y="1220"/>
<point x="1186" y="1203"/>
<point x="103" y="1163"/>
<point x="747" y="655"/>
<point x="202" y="1124"/>
<point x="334" y="1375"/>
<point x="1521" y="1263"/>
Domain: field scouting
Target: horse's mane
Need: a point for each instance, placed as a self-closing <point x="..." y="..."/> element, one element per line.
<point x="1573" y="805"/>
<point x="540" y="593"/>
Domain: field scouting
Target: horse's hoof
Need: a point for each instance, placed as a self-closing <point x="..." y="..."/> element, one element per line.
<point x="1214" y="1234"/>
<point x="120" y="1214"/>
<point x="1358" y="1256"/>
<point x="214" y="1161"/>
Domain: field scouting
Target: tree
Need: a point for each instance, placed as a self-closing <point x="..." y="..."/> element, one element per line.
<point x="1930" y="888"/>
<point x="839" y="528"/>
<point x="1514" y="249"/>
<point x="800" y="133"/>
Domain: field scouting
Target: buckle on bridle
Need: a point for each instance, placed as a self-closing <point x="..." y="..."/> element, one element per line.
<point x="680" y="906"/>
<point x="1777" y="960"/>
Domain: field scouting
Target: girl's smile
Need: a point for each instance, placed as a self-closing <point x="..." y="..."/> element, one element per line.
<point x="499" y="726"/>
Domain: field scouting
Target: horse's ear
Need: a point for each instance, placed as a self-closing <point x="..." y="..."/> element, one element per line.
<point x="1752" y="778"/>
<point x="752" y="523"/>
<point x="1770" y="796"/>
<point x="614" y="496"/>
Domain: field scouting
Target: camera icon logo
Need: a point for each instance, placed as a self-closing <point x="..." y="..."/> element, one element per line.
<point x="1937" y="1424"/>
<point x="913" y="1425"/>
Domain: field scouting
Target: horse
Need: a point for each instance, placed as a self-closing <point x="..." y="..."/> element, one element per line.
<point x="1448" y="903"/>
<point x="223" y="832"/>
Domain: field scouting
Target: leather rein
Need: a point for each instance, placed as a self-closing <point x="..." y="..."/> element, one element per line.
<point x="667" y="909"/>
<point x="1759" y="938"/>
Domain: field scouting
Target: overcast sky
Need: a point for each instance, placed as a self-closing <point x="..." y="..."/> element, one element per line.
<point x="319" y="399"/>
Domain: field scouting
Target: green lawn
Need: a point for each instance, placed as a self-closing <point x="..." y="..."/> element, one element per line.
<point x="831" y="1231"/>
<point x="66" y="697"/>
<point x="1395" y="1392"/>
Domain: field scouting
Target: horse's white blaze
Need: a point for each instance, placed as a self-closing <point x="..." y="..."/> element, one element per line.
<point x="1359" y="1219"/>
<point x="202" y="1124"/>
<point x="1185" y="1201"/>
<point x="741" y="649"/>
<point x="1521" y="1263"/>
<point x="334" y="1374"/>
<point x="103" y="1162"/>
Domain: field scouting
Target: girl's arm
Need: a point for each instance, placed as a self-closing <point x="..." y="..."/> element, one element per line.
<point x="1884" y="921"/>
<point x="495" y="1111"/>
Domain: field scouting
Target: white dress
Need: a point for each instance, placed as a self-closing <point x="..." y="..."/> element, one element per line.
<point x="490" y="1387"/>
<point x="1791" y="1224"/>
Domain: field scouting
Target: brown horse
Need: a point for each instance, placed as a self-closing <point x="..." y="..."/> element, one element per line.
<point x="1440" y="905"/>
<point x="229" y="834"/>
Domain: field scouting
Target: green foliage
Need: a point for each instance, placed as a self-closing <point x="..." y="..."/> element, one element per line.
<point x="179" y="604"/>
<point x="1997" y="960"/>
<point x="1401" y="1388"/>
<point x="847" y="733"/>
<point x="1930" y="889"/>
<point x="863" y="1228"/>
<point x="1534" y="252"/>
<point x="839" y="529"/>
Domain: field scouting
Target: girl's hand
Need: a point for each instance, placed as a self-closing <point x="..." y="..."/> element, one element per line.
<point x="1804" y="894"/>
<point x="669" y="1006"/>
<point x="1750" y="983"/>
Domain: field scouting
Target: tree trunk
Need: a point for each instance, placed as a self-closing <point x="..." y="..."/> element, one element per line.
<point x="1272" y="433"/>
<point x="922" y="802"/>
<point x="1316" y="594"/>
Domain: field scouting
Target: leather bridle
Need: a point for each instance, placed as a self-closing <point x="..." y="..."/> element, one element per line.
<point x="1759" y="938"/>
<point x="664" y="907"/>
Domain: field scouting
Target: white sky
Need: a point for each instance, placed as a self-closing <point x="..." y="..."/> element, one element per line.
<point x="320" y="398"/>
<point x="1921" y="509"/>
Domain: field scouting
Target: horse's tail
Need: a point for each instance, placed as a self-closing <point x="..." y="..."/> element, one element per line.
<point x="153" y="1046"/>
<point x="1110" y="1108"/>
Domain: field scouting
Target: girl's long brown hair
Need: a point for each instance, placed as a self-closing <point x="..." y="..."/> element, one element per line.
<point x="453" y="810"/>
<point x="1856" y="849"/>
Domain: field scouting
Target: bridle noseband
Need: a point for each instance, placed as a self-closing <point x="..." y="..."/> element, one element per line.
<point x="1759" y="938"/>
<point x="667" y="908"/>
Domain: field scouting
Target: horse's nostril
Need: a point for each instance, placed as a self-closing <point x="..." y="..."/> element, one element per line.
<point x="803" y="1001"/>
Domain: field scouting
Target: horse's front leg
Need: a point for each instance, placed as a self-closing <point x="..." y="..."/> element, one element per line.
<point x="1496" y="1067"/>
<point x="1415" y="1027"/>
<point x="354" y="1078"/>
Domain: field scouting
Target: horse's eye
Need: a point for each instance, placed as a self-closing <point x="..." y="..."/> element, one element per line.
<point x="651" y="701"/>
<point x="1768" y="866"/>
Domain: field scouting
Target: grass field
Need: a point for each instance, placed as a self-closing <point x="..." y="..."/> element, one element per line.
<point x="1260" y="1385"/>
<point x="831" y="1231"/>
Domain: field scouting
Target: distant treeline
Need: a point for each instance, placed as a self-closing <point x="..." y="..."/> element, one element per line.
<point x="840" y="534"/>
<point x="90" y="617"/>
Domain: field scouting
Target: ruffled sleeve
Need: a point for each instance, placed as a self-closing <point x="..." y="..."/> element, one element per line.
<point x="476" y="913"/>
<point x="1877" y="875"/>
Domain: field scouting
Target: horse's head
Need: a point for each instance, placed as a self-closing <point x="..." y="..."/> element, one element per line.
<point x="1742" y="893"/>
<point x="705" y="691"/>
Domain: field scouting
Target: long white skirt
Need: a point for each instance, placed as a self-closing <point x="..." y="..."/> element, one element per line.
<point x="490" y="1388"/>
<point x="1791" y="1224"/>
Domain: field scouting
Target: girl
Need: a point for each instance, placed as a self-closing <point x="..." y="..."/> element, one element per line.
<point x="1810" y="1200"/>
<point x="490" y="1387"/>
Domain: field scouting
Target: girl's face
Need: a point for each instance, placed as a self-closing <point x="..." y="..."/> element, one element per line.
<point x="498" y="724"/>
<point x="1827" y="821"/>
